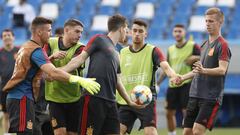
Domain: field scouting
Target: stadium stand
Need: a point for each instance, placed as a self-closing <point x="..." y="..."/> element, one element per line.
<point x="161" y="15"/>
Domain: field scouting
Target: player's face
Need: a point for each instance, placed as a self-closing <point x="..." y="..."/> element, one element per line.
<point x="179" y="34"/>
<point x="73" y="34"/>
<point x="213" y="25"/>
<point x="45" y="33"/>
<point x="139" y="33"/>
<point x="123" y="33"/>
<point x="7" y="38"/>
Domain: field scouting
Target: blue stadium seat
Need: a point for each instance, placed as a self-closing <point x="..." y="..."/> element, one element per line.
<point x="36" y="4"/>
<point x="87" y="20"/>
<point x="225" y="10"/>
<point x="164" y="8"/>
<point x="160" y="22"/>
<point x="67" y="11"/>
<point x="126" y="11"/>
<point x="181" y="19"/>
<point x="20" y="33"/>
<point x="200" y="10"/>
<point x="54" y="1"/>
<point x="196" y="35"/>
<point x="106" y="10"/>
<point x="155" y="33"/>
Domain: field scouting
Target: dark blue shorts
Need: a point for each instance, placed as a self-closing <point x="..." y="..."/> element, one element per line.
<point x="201" y="111"/>
<point x="21" y="115"/>
<point x="147" y="116"/>
<point x="65" y="115"/>
<point x="98" y="116"/>
<point x="177" y="97"/>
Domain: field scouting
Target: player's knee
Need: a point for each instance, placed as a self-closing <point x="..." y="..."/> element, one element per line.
<point x="187" y="131"/>
<point x="197" y="131"/>
<point x="170" y="113"/>
<point x="60" y="131"/>
<point x="150" y="131"/>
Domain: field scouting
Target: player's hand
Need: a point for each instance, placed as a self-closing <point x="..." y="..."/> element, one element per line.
<point x="88" y="83"/>
<point x="177" y="80"/>
<point x="134" y="105"/>
<point x="198" y="68"/>
<point x="59" y="55"/>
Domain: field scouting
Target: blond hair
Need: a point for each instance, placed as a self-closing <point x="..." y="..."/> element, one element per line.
<point x="216" y="11"/>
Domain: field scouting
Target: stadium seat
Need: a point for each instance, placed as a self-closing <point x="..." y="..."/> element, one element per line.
<point x="106" y="10"/>
<point x="49" y="10"/>
<point x="36" y="4"/>
<point x="147" y="13"/>
<point x="12" y="2"/>
<point x="197" y="23"/>
<point x="112" y="3"/>
<point x="200" y="10"/>
<point x="226" y="3"/>
<point x="100" y="23"/>
<point x="209" y="3"/>
<point x="20" y="33"/>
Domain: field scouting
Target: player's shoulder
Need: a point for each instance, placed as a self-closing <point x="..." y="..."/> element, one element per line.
<point x="222" y="41"/>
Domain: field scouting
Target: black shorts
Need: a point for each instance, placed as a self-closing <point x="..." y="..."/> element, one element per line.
<point x="177" y="97"/>
<point x="65" y="115"/>
<point x="3" y="101"/>
<point x="147" y="116"/>
<point x="201" y="111"/>
<point x="21" y="115"/>
<point x="98" y="116"/>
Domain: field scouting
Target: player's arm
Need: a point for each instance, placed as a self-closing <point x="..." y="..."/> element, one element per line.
<point x="121" y="90"/>
<point x="194" y="57"/>
<point x="218" y="71"/>
<point x="159" y="59"/>
<point x="76" y="62"/>
<point x="161" y="78"/>
<point x="167" y="69"/>
<point x="39" y="57"/>
<point x="56" y="55"/>
<point x="224" y="55"/>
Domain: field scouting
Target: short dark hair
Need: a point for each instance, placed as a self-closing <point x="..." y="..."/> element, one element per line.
<point x="140" y="22"/>
<point x="59" y="31"/>
<point x="7" y="30"/>
<point x="73" y="22"/>
<point x="38" y="21"/>
<point x="115" y="22"/>
<point x="179" y="26"/>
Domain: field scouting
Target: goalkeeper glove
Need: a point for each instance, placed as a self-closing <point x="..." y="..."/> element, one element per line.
<point x="88" y="83"/>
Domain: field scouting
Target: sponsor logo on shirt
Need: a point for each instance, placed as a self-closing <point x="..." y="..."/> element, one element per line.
<point x="29" y="124"/>
<point x="135" y="78"/>
<point x="89" y="131"/>
<point x="211" y="51"/>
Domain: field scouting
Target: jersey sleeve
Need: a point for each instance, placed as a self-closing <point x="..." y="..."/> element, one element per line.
<point x="196" y="49"/>
<point x="224" y="52"/>
<point x="91" y="45"/>
<point x="39" y="57"/>
<point x="78" y="51"/>
<point x="158" y="56"/>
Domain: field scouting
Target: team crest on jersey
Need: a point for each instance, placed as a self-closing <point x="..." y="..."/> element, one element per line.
<point x="211" y="51"/>
<point x="89" y="131"/>
<point x="54" y="122"/>
<point x="29" y="124"/>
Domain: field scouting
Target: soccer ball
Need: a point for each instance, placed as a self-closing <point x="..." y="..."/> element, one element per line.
<point x="141" y="95"/>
